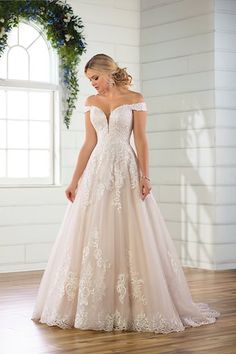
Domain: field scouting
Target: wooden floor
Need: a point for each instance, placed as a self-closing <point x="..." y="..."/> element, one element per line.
<point x="20" y="335"/>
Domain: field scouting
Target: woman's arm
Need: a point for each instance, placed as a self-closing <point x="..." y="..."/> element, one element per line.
<point x="86" y="149"/>
<point x="141" y="144"/>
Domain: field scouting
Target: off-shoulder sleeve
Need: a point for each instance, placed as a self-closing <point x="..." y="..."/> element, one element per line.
<point x="86" y="108"/>
<point x="139" y="106"/>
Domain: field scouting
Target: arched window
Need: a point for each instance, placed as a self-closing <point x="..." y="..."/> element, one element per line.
<point x="29" y="99"/>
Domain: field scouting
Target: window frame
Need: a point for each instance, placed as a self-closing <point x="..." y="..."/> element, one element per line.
<point x="53" y="86"/>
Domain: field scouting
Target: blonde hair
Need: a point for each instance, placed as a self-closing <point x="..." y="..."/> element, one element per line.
<point x="104" y="63"/>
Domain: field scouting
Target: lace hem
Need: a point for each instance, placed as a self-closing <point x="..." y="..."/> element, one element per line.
<point x="114" y="322"/>
<point x="209" y="314"/>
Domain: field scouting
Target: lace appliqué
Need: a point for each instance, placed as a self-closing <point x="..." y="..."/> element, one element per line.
<point x="139" y="106"/>
<point x="121" y="289"/>
<point x="113" y="160"/>
<point x="88" y="287"/>
<point x="174" y="264"/>
<point x="156" y="323"/>
<point x="85" y="285"/>
<point x="86" y="109"/>
<point x="205" y="311"/>
<point x="64" y="287"/>
<point x="92" y="285"/>
<point x="51" y="318"/>
<point x="107" y="170"/>
<point x="136" y="283"/>
<point x="66" y="280"/>
<point x="111" y="321"/>
<point x="121" y="167"/>
<point x="141" y="323"/>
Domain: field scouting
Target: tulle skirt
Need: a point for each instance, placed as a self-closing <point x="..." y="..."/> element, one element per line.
<point x="116" y="268"/>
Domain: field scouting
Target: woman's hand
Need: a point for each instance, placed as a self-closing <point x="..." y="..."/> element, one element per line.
<point x="70" y="191"/>
<point x="145" y="187"/>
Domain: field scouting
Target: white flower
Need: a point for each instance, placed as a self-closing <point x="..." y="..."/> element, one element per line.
<point x="2" y="32"/>
<point x="2" y="20"/>
<point x="68" y="37"/>
<point x="67" y="18"/>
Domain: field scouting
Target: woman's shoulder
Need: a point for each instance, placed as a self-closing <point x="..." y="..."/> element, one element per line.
<point x="90" y="100"/>
<point x="136" y="97"/>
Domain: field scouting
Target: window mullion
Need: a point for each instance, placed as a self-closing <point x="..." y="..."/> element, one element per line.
<point x="28" y="84"/>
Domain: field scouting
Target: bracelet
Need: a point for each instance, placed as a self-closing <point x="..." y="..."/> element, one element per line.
<point x="146" y="177"/>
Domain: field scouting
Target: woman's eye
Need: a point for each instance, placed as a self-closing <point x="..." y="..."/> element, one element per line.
<point x="95" y="78"/>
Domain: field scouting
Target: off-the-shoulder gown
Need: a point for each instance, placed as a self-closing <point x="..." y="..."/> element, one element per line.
<point x="113" y="265"/>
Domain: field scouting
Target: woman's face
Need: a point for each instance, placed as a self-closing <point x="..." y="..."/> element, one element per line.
<point x="97" y="79"/>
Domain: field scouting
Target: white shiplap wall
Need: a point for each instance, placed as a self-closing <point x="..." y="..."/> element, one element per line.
<point x="225" y="100"/>
<point x="30" y="217"/>
<point x="179" y="81"/>
<point x="177" y="61"/>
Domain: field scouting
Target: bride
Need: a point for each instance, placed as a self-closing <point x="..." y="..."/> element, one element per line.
<point x="113" y="265"/>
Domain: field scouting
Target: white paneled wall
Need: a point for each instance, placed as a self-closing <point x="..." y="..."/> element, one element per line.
<point x="30" y="217"/>
<point x="177" y="60"/>
<point x="188" y="78"/>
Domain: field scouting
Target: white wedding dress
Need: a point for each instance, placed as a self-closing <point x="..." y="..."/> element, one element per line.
<point x="113" y="265"/>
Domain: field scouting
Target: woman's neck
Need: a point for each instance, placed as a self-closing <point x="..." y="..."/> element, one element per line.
<point x="113" y="92"/>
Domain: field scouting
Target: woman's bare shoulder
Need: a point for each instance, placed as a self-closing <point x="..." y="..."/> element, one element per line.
<point x="136" y="96"/>
<point x="90" y="100"/>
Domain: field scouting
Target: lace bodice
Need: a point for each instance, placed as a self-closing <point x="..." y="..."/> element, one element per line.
<point x="119" y="123"/>
<point x="113" y="159"/>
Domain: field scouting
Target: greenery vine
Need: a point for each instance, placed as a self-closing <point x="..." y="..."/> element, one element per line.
<point x="63" y="29"/>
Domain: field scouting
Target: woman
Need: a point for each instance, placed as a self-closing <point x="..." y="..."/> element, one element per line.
<point x="113" y="265"/>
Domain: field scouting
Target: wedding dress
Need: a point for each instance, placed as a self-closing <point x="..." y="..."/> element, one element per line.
<point x="113" y="265"/>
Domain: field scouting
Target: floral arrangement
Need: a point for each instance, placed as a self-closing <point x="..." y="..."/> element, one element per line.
<point x="62" y="28"/>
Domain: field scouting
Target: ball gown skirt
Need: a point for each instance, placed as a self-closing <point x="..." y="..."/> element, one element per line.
<point x="113" y="265"/>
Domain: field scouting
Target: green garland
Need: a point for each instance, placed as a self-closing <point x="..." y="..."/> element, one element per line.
<point x="62" y="28"/>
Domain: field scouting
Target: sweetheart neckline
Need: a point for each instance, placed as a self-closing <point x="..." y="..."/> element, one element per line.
<point x="108" y="118"/>
<point x="114" y="109"/>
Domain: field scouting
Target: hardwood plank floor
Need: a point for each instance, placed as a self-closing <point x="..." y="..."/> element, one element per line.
<point x="20" y="335"/>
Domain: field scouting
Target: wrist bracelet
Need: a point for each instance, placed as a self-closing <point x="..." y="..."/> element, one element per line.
<point x="146" y="177"/>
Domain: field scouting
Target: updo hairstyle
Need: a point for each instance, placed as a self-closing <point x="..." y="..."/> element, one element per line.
<point x="104" y="63"/>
